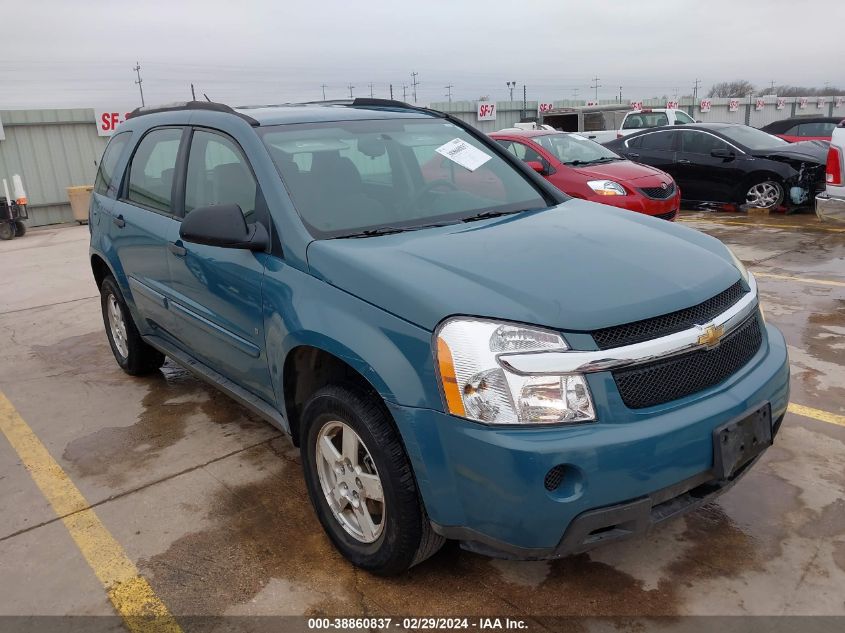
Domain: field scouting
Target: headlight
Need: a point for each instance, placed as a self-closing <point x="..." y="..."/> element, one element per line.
<point x="743" y="271"/>
<point x="476" y="387"/>
<point x="607" y="188"/>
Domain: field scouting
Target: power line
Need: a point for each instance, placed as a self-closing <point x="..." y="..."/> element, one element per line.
<point x="449" y="93"/>
<point x="137" y="70"/>
<point x="596" y="85"/>
<point x="414" y="84"/>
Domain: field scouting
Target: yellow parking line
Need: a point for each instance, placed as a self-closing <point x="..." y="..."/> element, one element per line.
<point x="830" y="229"/>
<point x="806" y="280"/>
<point x="817" y="414"/>
<point x="129" y="592"/>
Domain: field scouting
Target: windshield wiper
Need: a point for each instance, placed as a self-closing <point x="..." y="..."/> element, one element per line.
<point x="387" y="230"/>
<point x="489" y="214"/>
<point x="603" y="159"/>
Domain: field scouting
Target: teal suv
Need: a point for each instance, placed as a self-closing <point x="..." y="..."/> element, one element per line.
<point x="459" y="350"/>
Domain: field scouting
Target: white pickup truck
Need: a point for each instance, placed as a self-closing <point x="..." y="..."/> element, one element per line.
<point x="594" y="121"/>
<point x="830" y="205"/>
<point x="652" y="117"/>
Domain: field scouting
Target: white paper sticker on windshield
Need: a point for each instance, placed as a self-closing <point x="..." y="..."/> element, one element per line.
<point x="463" y="153"/>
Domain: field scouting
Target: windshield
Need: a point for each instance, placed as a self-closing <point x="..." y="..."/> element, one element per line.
<point x="751" y="137"/>
<point x="639" y="120"/>
<point x="358" y="178"/>
<point x="683" y="118"/>
<point x="572" y="149"/>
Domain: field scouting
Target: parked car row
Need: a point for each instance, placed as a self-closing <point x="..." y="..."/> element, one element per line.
<point x="459" y="350"/>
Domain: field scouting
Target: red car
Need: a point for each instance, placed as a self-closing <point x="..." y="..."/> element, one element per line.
<point x="584" y="169"/>
<point x="806" y="128"/>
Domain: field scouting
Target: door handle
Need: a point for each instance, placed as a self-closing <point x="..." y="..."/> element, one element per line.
<point x="119" y="221"/>
<point x="633" y="155"/>
<point x="177" y="249"/>
<point x="684" y="161"/>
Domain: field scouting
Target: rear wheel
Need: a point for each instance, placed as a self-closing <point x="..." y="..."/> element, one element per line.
<point x="20" y="228"/>
<point x="130" y="351"/>
<point x="7" y="230"/>
<point x="360" y="482"/>
<point x="764" y="194"/>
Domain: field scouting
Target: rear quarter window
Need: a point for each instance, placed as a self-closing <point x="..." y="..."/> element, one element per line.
<point x="107" y="182"/>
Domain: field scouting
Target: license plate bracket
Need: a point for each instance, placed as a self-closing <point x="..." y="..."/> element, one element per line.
<point x="738" y="442"/>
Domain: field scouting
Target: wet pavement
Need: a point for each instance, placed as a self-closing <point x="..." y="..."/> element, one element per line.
<point x="209" y="503"/>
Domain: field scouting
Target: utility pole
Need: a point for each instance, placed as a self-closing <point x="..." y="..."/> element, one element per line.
<point x="371" y="90"/>
<point x="391" y="92"/>
<point x="620" y="94"/>
<point x="415" y="83"/>
<point x="137" y="70"/>
<point x="511" y="85"/>
<point x="449" y="93"/>
<point x="695" y="89"/>
<point x="193" y="94"/>
<point x="324" y="86"/>
<point x="405" y="93"/>
<point x="575" y="94"/>
<point x="524" y="100"/>
<point x="596" y="85"/>
<point x="350" y="86"/>
<point x="772" y="85"/>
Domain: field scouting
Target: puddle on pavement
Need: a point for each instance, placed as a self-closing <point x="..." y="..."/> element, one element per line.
<point x="265" y="531"/>
<point x="175" y="401"/>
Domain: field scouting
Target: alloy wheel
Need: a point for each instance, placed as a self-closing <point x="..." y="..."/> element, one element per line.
<point x="117" y="325"/>
<point x="764" y="195"/>
<point x="350" y="481"/>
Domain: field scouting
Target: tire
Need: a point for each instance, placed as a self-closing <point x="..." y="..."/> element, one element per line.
<point x="7" y="230"/>
<point x="402" y="537"/>
<point x="130" y="351"/>
<point x="20" y="228"/>
<point x="766" y="193"/>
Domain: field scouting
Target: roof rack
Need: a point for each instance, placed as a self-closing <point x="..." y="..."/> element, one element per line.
<point x="191" y="105"/>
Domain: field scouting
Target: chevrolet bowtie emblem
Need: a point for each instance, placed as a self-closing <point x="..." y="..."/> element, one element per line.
<point x="711" y="336"/>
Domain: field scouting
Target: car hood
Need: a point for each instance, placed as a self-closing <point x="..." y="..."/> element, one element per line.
<point x="805" y="151"/>
<point x="622" y="170"/>
<point x="577" y="266"/>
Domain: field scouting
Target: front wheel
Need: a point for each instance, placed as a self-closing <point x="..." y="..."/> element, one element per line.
<point x="766" y="194"/>
<point x="7" y="230"/>
<point x="360" y="482"/>
<point x="20" y="228"/>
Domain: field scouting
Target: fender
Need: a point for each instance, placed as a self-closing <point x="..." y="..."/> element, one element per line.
<point x="392" y="354"/>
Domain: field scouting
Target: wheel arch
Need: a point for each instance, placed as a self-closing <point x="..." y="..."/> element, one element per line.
<point x="308" y="368"/>
<point x="758" y="175"/>
<point x="100" y="268"/>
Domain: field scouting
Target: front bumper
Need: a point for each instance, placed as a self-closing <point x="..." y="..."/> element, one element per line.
<point x="485" y="485"/>
<point x="830" y="208"/>
<point x="666" y="209"/>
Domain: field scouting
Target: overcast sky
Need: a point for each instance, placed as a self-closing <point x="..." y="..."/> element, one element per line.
<point x="63" y="53"/>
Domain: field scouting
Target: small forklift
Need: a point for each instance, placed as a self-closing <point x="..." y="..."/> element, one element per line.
<point x="13" y="210"/>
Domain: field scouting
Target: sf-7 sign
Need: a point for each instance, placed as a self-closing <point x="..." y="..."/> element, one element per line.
<point x="486" y="111"/>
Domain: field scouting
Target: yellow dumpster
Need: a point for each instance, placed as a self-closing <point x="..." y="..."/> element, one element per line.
<point x="80" y="198"/>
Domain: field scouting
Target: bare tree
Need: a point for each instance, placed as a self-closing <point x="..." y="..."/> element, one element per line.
<point x="802" y="91"/>
<point x="736" y="88"/>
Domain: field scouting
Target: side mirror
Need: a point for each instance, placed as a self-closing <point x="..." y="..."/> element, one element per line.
<point x="537" y="166"/>
<point x="223" y="225"/>
<point x="723" y="153"/>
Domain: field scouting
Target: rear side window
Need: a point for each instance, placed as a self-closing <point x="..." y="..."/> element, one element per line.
<point x="700" y="143"/>
<point x="153" y="166"/>
<point x="657" y="141"/>
<point x="816" y="129"/>
<point x="218" y="173"/>
<point x="105" y="173"/>
<point x="682" y="118"/>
